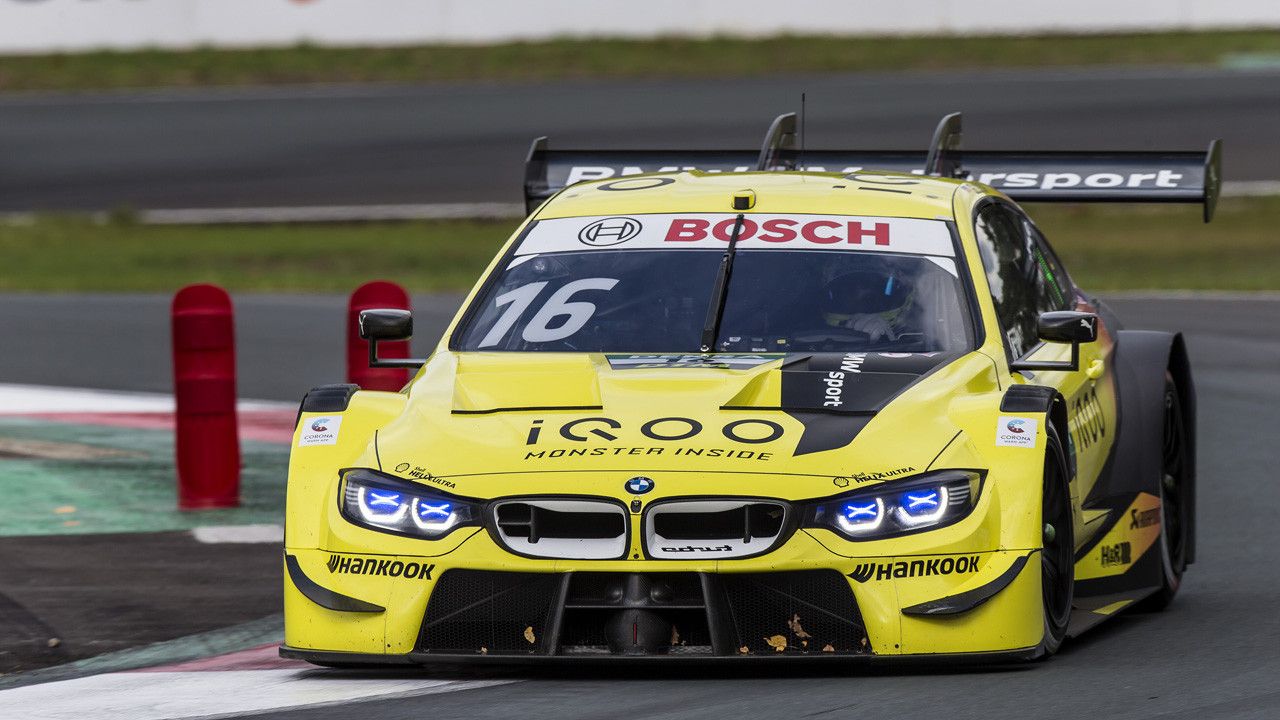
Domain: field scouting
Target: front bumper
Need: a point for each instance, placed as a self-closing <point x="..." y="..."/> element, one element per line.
<point x="479" y="603"/>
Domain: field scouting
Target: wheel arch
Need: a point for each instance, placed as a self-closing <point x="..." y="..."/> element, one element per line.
<point x="1140" y="362"/>
<point x="1030" y="398"/>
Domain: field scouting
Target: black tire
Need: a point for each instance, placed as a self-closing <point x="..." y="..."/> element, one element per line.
<point x="1174" y="520"/>
<point x="1057" y="555"/>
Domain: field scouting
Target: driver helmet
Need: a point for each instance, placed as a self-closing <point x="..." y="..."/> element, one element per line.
<point x="862" y="292"/>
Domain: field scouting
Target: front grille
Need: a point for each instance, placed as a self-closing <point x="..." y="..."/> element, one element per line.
<point x="701" y="529"/>
<point x="753" y="520"/>
<point x="570" y="529"/>
<point x="611" y="613"/>
<point x="806" y="611"/>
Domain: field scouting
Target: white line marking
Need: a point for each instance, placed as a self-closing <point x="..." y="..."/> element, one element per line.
<point x="335" y="213"/>
<point x="219" y="534"/>
<point x="167" y="695"/>
<point x="1199" y="295"/>
<point x="24" y="399"/>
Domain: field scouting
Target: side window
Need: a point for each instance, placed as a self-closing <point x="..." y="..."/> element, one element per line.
<point x="1012" y="275"/>
<point x="1055" y="287"/>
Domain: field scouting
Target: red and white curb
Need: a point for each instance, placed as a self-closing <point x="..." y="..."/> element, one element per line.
<point x="261" y="421"/>
<point x="236" y="684"/>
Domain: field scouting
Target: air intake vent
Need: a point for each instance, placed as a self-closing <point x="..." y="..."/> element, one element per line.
<point x="573" y="529"/>
<point x="697" y="529"/>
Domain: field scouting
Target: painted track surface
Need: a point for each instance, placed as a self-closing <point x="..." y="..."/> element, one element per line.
<point x="450" y="143"/>
<point x="1212" y="655"/>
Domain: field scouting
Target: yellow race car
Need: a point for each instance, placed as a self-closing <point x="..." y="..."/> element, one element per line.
<point x="746" y="405"/>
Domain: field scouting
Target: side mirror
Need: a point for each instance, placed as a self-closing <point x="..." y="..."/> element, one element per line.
<point x="1068" y="326"/>
<point x="1062" y="326"/>
<point x="387" y="324"/>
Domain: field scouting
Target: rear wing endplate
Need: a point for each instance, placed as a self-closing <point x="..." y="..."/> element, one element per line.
<point x="1025" y="176"/>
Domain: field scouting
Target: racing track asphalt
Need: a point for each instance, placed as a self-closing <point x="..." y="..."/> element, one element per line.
<point x="352" y="145"/>
<point x="1213" y="655"/>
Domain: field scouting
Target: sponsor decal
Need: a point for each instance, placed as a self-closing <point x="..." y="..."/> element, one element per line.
<point x="421" y="473"/>
<point x="1143" y="518"/>
<point x="1135" y="531"/>
<point x="850" y="363"/>
<point x="1016" y="431"/>
<point x="1117" y="554"/>
<point x="320" y="431"/>
<point x="1088" y="424"/>
<point x="1062" y="180"/>
<point x="384" y="567"/>
<point x="609" y="231"/>
<point x="760" y="231"/>
<point x="751" y="431"/>
<point x="717" y="361"/>
<point x="636" y="184"/>
<point x="1155" y="179"/>
<point x="696" y="548"/>
<point x="714" y="452"/>
<point x="861" y="477"/>
<point x="639" y="485"/>
<point x="924" y="567"/>
<point x="781" y="230"/>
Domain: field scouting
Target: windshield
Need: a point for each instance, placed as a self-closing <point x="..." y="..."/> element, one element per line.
<point x="803" y="283"/>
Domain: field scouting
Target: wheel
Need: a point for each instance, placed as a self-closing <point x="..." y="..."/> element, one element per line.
<point x="1174" y="523"/>
<point x="1057" y="556"/>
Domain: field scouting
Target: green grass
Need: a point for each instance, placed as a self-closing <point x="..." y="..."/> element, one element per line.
<point x="716" y="57"/>
<point x="1110" y="247"/>
<point x="1125" y="247"/>
<point x="75" y="254"/>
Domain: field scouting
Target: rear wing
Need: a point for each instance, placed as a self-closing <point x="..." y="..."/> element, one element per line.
<point x="1025" y="176"/>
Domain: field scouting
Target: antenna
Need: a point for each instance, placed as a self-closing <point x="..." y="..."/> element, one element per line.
<point x="800" y="163"/>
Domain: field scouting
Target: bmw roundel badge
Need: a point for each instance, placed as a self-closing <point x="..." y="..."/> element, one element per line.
<point x="639" y="485"/>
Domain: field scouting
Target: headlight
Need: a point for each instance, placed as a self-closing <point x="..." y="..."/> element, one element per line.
<point x="381" y="502"/>
<point x="927" y="502"/>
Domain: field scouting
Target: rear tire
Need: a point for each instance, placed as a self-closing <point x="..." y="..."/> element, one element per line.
<point x="1057" y="555"/>
<point x="1174" y="520"/>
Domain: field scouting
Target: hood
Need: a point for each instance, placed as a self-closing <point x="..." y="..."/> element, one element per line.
<point x="875" y="415"/>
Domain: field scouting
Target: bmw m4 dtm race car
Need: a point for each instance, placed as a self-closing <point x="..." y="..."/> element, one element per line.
<point x="752" y="405"/>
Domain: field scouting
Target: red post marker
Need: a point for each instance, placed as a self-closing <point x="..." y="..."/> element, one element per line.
<point x="204" y="379"/>
<point x="371" y="295"/>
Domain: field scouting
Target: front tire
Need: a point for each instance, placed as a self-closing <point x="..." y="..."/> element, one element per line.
<point x="1057" y="554"/>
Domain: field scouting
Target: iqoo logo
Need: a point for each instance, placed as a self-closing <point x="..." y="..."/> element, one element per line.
<point x="752" y="431"/>
<point x="1087" y="420"/>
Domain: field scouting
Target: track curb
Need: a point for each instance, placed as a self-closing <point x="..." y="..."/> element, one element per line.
<point x="192" y="647"/>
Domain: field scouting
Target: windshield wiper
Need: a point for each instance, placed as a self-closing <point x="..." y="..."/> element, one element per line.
<point x="711" y="330"/>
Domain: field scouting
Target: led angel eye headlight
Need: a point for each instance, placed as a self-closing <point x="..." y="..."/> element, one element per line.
<point x="922" y="507"/>
<point x="862" y="516"/>
<point x="390" y="504"/>
<point x="433" y="516"/>
<point x="898" y="507"/>
<point x="381" y="507"/>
